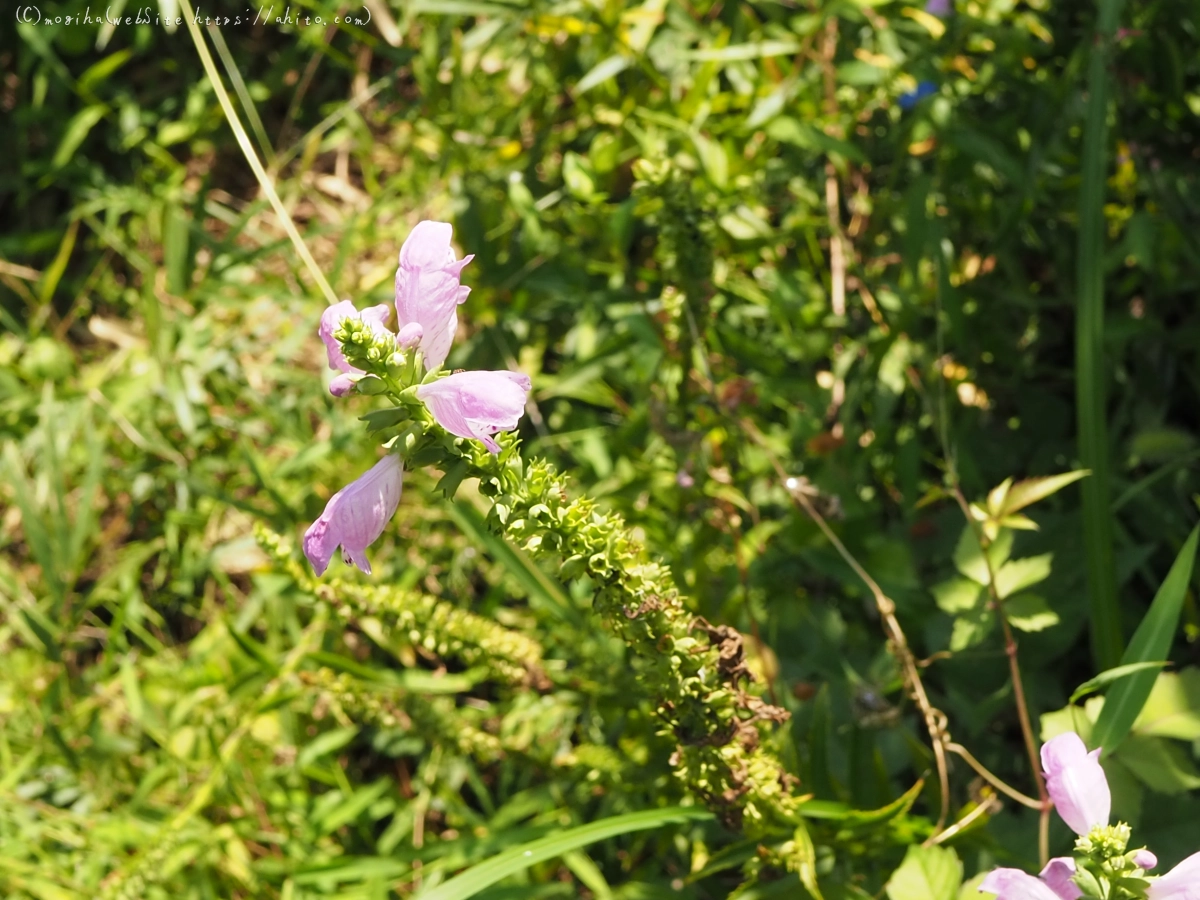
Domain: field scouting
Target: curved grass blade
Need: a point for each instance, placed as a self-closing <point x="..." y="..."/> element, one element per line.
<point x="1151" y="641"/>
<point x="485" y="874"/>
<point x="1108" y="676"/>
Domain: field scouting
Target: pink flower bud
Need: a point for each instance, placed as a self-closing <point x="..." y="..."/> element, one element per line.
<point x="341" y="385"/>
<point x="355" y="516"/>
<point x="1144" y="859"/>
<point x="428" y="290"/>
<point x="477" y="404"/>
<point x="1076" y="782"/>
<point x="410" y="335"/>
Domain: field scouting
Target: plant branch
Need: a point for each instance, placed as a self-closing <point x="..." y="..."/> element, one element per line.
<point x="935" y="720"/>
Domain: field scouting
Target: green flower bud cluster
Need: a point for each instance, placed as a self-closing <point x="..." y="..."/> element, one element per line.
<point x="149" y="869"/>
<point x="665" y="196"/>
<point x="436" y="719"/>
<point x="365" y="347"/>
<point x="696" y="671"/>
<point x="394" y="617"/>
<point x="1104" y="868"/>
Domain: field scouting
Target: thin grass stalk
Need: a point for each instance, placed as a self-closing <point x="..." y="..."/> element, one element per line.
<point x="1090" y="370"/>
<point x="243" y="139"/>
<point x="239" y="85"/>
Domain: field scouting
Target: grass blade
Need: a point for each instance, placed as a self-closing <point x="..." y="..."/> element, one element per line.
<point x="517" y="859"/>
<point x="1151" y="641"/>
<point x="1091" y="372"/>
<point x="243" y="139"/>
<point x="1109" y="676"/>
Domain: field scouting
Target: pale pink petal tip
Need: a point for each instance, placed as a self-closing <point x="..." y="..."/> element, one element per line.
<point x="1076" y="782"/>
<point x="477" y="404"/>
<point x="1144" y="859"/>
<point x="1013" y="884"/>
<point x="355" y="516"/>
<point x="1058" y="874"/>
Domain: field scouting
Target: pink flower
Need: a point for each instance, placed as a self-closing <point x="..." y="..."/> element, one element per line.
<point x="1181" y="883"/>
<point x="331" y="320"/>
<point x="428" y="290"/>
<point x="477" y="404"/>
<point x="1058" y="874"/>
<point x="355" y="516"/>
<point x="1076" y="782"/>
<point x="1013" y="884"/>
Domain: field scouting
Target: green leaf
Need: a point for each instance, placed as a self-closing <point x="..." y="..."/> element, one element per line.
<point x="716" y="161"/>
<point x="897" y="807"/>
<point x="969" y="559"/>
<point x="1018" y="574"/>
<point x="971" y="629"/>
<point x="1151" y="641"/>
<point x="326" y="743"/>
<point x="806" y="860"/>
<point x="959" y="595"/>
<point x="77" y="129"/>
<point x="1031" y="490"/>
<point x="1160" y="764"/>
<point x="801" y="134"/>
<point x="519" y="858"/>
<point x="927" y="873"/>
<point x="1108" y="676"/>
<point x="1029" y="612"/>
<point x="759" y="50"/>
<point x="1173" y="707"/>
<point x="602" y="71"/>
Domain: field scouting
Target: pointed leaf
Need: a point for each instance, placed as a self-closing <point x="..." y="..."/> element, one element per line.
<point x="1018" y="574"/>
<point x="969" y="559"/>
<point x="1151" y="641"/>
<point x="1029" y="612"/>
<point x="1031" y="490"/>
<point x="1108" y="676"/>
<point x="927" y="873"/>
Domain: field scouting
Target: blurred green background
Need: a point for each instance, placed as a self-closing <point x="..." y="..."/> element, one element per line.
<point x="867" y="241"/>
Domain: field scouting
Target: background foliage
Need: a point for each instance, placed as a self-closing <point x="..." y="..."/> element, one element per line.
<point x="839" y="236"/>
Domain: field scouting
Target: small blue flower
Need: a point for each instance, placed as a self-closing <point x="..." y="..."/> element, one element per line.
<point x="939" y="8"/>
<point x="912" y="98"/>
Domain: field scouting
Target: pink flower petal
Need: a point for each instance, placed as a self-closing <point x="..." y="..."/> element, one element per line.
<point x="1013" y="884"/>
<point x="1076" y="782"/>
<point x="1181" y="883"/>
<point x="428" y="288"/>
<point x="1058" y="874"/>
<point x="477" y="404"/>
<point x="355" y="516"/>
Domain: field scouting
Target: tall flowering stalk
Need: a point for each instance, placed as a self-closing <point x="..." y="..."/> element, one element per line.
<point x="1103" y="867"/>
<point x="457" y="422"/>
